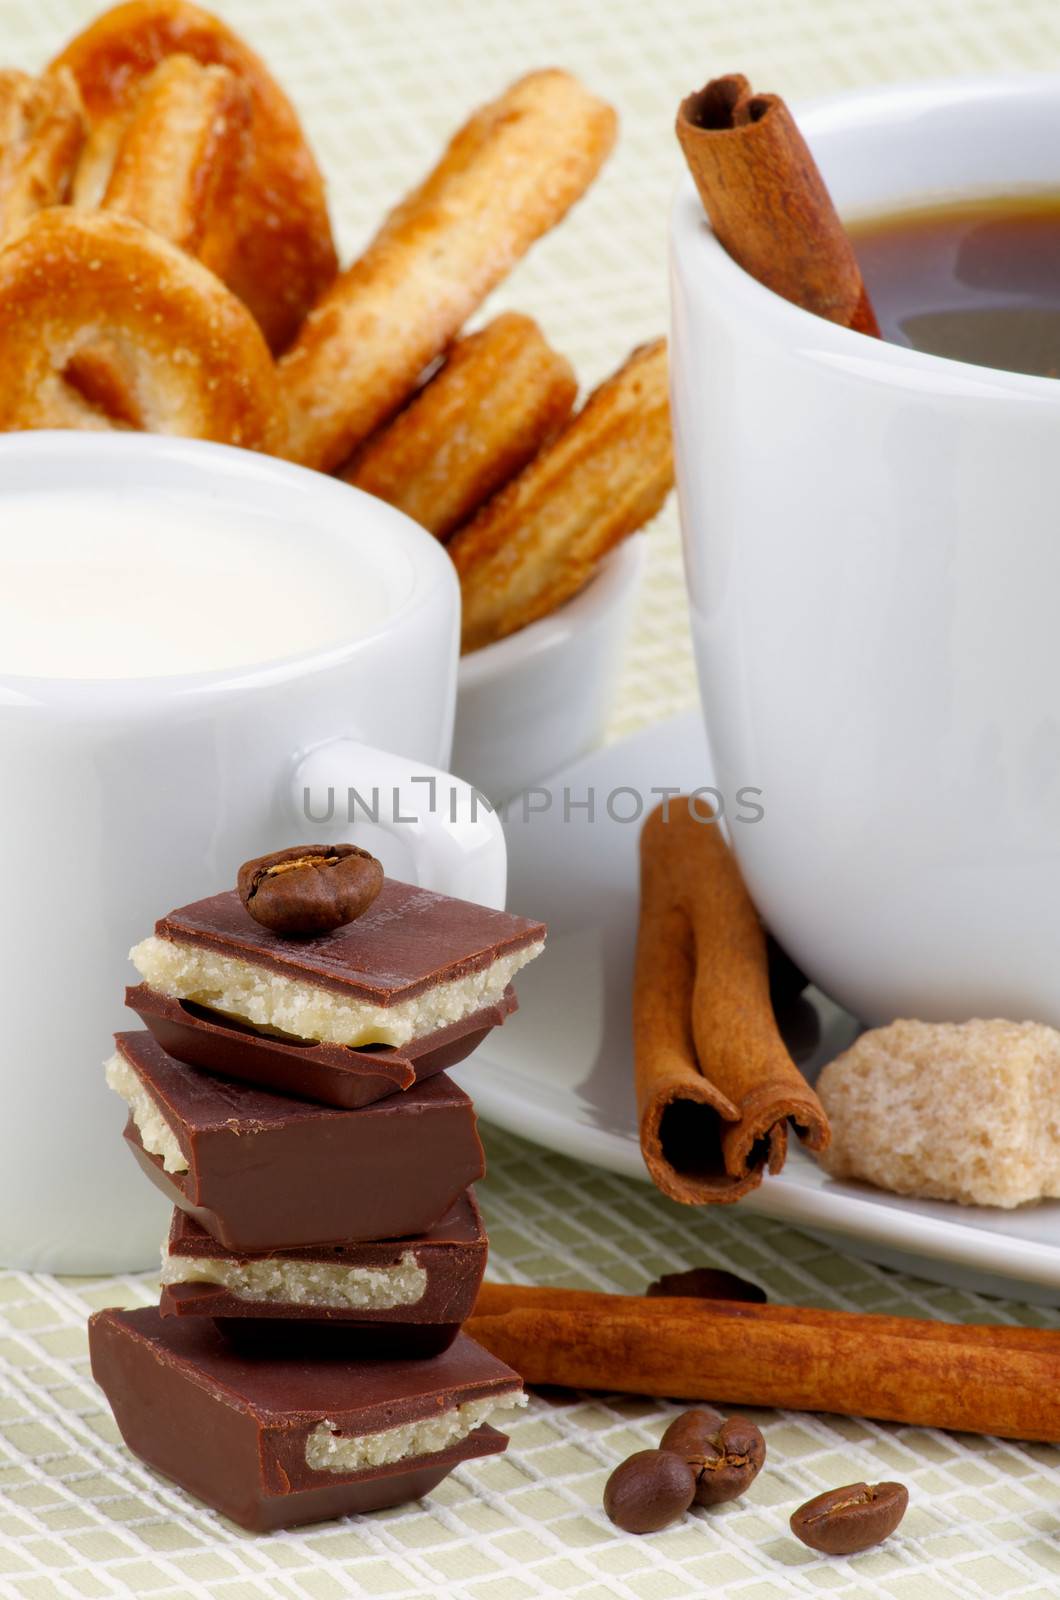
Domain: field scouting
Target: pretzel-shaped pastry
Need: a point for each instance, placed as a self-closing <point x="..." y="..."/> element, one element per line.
<point x="199" y="364"/>
<point x="42" y="130"/>
<point x="284" y="255"/>
<point x="181" y="157"/>
<point x="181" y="154"/>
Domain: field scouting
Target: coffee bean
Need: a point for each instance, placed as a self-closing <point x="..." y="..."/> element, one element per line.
<point x="706" y="1283"/>
<point x="725" y="1453"/>
<point x="310" y="888"/>
<point x="841" y="1522"/>
<point x="691" y="1432"/>
<point x="648" y="1491"/>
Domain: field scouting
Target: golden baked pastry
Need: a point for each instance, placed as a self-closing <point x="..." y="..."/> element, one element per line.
<point x="285" y="255"/>
<point x="42" y="131"/>
<point x="507" y="176"/>
<point x="71" y="280"/>
<point x="501" y="394"/>
<point x="541" y="538"/>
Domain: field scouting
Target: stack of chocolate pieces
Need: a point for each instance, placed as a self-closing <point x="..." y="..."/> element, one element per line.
<point x="289" y="1095"/>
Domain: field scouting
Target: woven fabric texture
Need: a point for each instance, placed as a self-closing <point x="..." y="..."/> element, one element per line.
<point x="379" y="87"/>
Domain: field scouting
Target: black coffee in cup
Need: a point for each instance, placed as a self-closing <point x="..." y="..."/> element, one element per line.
<point x="976" y="280"/>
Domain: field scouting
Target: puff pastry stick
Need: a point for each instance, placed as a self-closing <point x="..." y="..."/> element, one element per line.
<point x="508" y="176"/>
<point x="537" y="542"/>
<point x="501" y="395"/>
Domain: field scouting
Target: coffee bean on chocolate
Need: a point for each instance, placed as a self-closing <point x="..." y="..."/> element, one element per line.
<point x="310" y="888"/>
<point x="724" y="1453"/>
<point x="841" y="1522"/>
<point x="648" y="1491"/>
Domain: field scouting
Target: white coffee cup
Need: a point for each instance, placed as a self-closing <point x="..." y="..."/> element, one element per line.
<point x="873" y="565"/>
<point x="325" y="628"/>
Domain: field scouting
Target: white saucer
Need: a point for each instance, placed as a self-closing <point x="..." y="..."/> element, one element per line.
<point x="560" y="1071"/>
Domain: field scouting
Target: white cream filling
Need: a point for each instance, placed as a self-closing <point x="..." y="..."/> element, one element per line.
<point x="156" y="1136"/>
<point x="304" y="1283"/>
<point x="268" y="999"/>
<point x="329" y="1451"/>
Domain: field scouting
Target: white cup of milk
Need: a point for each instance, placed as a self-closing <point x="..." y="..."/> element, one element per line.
<point x="202" y="652"/>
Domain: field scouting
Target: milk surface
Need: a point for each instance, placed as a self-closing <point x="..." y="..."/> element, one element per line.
<point x="97" y="585"/>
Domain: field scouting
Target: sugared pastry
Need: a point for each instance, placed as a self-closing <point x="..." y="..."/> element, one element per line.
<point x="262" y="1171"/>
<point x="402" y="1297"/>
<point x="279" y="1442"/>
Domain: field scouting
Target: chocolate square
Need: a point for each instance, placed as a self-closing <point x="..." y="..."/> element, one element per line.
<point x="266" y="1172"/>
<point x="332" y="1074"/>
<point x="233" y="1429"/>
<point x="409" y="940"/>
<point x="451" y="1256"/>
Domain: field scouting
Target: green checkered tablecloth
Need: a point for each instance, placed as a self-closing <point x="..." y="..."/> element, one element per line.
<point x="379" y="86"/>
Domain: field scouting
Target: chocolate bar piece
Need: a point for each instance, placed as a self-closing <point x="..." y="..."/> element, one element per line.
<point x="414" y="963"/>
<point x="261" y="1171"/>
<point x="396" y="1298"/>
<point x="333" y="1074"/>
<point x="279" y="1442"/>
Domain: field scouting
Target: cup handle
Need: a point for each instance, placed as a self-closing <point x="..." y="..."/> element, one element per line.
<point x="448" y="831"/>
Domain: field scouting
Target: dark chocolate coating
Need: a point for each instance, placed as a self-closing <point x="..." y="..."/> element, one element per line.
<point x="325" y="1341"/>
<point x="331" y="1074"/>
<point x="408" y="941"/>
<point x="452" y="1254"/>
<point x="232" y="1430"/>
<point x="266" y="1172"/>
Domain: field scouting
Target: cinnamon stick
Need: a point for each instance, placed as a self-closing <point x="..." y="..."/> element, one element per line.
<point x="715" y="1083"/>
<point x="767" y="202"/>
<point x="967" y="1378"/>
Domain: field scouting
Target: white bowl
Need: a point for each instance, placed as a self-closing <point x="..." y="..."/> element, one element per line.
<point x="536" y="701"/>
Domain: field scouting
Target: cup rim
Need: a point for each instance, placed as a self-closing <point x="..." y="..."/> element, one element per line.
<point x="701" y="260"/>
<point x="619" y="568"/>
<point x="208" y="462"/>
